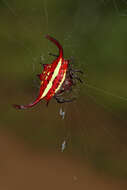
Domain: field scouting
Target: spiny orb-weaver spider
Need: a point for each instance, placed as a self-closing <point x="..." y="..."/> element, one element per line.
<point x="56" y="78"/>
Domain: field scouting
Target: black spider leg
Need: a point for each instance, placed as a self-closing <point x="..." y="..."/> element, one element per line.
<point x="59" y="99"/>
<point x="74" y="71"/>
<point x="73" y="75"/>
<point x="62" y="100"/>
<point x="53" y="54"/>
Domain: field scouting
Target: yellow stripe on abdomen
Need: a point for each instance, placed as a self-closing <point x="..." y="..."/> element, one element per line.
<point x="49" y="85"/>
<point x="61" y="82"/>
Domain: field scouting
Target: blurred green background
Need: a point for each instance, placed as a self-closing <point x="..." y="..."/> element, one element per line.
<point x="95" y="34"/>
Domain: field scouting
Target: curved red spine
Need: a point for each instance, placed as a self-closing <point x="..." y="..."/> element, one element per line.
<point x="37" y="100"/>
<point x="56" y="43"/>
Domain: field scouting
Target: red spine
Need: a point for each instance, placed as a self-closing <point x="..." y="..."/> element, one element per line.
<point x="57" y="44"/>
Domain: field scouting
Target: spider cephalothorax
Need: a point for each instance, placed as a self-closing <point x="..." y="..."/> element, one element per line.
<point x="56" y="78"/>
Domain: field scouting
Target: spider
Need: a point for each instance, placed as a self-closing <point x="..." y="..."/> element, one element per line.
<point x="56" y="78"/>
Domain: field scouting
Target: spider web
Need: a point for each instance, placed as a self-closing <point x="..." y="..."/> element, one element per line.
<point x="71" y="116"/>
